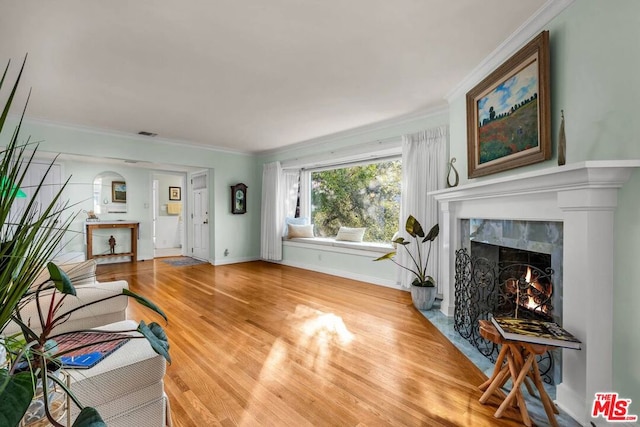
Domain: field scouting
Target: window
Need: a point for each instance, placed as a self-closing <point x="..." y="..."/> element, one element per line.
<point x="364" y="195"/>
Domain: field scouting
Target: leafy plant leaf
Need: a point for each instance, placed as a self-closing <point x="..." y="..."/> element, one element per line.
<point x="386" y="256"/>
<point x="156" y="337"/>
<point x="89" y="417"/>
<point x="400" y="241"/>
<point x="15" y="396"/>
<point x="146" y="302"/>
<point x="61" y="280"/>
<point x="413" y="227"/>
<point x="433" y="233"/>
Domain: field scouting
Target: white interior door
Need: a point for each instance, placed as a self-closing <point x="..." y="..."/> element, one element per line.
<point x="200" y="215"/>
<point x="50" y="187"/>
<point x="155" y="204"/>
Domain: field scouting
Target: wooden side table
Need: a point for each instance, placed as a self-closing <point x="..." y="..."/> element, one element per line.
<point x="521" y="365"/>
<point x="132" y="226"/>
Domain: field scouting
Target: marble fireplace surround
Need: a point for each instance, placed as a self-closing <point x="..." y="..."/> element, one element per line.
<point x="583" y="196"/>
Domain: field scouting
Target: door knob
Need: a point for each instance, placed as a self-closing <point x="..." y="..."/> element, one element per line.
<point x="206" y="221"/>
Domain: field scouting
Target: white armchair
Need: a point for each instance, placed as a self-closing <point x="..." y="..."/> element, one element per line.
<point x="127" y="386"/>
<point x="88" y="289"/>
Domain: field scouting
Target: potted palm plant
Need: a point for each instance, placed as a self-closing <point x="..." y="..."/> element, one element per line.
<point x="423" y="290"/>
<point x="29" y="237"/>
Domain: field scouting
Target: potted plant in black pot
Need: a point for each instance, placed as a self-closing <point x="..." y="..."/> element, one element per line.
<point x="423" y="287"/>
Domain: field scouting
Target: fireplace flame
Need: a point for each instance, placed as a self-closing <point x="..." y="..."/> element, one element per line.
<point x="535" y="288"/>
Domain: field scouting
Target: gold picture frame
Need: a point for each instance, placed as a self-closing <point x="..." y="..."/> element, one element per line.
<point x="508" y="113"/>
<point x="118" y="191"/>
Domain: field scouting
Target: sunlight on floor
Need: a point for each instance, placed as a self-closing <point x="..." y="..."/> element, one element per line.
<point x="326" y="327"/>
<point x="315" y="335"/>
<point x="318" y="336"/>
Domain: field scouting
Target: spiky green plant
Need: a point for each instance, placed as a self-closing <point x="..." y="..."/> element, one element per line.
<point x="29" y="238"/>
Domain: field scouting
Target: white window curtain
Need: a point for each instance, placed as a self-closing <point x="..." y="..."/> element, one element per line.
<point x="424" y="164"/>
<point x="290" y="183"/>
<point x="279" y="199"/>
<point x="305" y="194"/>
<point x="272" y="213"/>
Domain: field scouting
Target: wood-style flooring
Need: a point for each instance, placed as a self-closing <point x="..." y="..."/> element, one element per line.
<point x="260" y="344"/>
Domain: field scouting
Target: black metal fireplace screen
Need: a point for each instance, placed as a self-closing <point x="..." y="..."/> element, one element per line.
<point x="484" y="288"/>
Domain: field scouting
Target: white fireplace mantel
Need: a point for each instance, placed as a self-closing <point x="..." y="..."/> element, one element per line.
<point x="583" y="196"/>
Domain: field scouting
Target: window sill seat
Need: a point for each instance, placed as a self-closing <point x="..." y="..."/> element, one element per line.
<point x="333" y="245"/>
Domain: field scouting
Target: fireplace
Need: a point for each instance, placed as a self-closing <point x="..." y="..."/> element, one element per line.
<point x="526" y="288"/>
<point x="583" y="197"/>
<point x="505" y="268"/>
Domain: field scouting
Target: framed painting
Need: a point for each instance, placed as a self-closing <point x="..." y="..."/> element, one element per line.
<point x="508" y="113"/>
<point x="118" y="192"/>
<point x="175" y="193"/>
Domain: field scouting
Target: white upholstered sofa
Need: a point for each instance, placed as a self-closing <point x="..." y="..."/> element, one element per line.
<point x="127" y="386"/>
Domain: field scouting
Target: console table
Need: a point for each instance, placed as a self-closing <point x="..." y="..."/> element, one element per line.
<point x="132" y="226"/>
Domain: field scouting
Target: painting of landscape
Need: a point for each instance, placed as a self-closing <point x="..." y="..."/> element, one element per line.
<point x="509" y="113"/>
<point x="508" y="116"/>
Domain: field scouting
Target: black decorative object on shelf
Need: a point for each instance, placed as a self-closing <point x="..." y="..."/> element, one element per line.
<point x="112" y="245"/>
<point x="455" y="171"/>
<point x="239" y="199"/>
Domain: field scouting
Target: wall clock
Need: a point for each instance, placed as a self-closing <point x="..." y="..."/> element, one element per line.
<point x="238" y="199"/>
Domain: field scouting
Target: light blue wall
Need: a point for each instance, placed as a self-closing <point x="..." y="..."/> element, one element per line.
<point x="353" y="266"/>
<point x="80" y="190"/>
<point x="349" y="139"/>
<point x="595" y="59"/>
<point x="238" y="233"/>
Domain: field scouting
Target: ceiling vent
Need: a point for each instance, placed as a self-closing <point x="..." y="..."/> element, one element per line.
<point x="145" y="133"/>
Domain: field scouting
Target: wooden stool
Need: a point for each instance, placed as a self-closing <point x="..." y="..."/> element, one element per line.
<point x="521" y="365"/>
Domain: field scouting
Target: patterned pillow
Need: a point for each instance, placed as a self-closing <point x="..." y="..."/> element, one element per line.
<point x="351" y="234"/>
<point x="300" y="230"/>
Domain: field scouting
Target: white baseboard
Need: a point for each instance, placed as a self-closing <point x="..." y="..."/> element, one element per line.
<point x="447" y="310"/>
<point x="347" y="275"/>
<point x="571" y="403"/>
<point x="227" y="260"/>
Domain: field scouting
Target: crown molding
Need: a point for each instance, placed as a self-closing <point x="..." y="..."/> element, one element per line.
<point x="530" y="28"/>
<point x="130" y="136"/>
<point x="359" y="131"/>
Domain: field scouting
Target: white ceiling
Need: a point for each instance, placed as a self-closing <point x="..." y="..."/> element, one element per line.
<point x="247" y="75"/>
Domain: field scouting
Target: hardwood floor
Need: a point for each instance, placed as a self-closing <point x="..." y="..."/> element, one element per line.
<point x="263" y="344"/>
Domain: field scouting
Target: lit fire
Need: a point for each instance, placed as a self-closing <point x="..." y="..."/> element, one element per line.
<point x="531" y="301"/>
